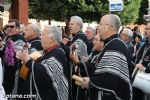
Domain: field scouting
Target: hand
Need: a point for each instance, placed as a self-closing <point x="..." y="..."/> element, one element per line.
<point x="65" y="41"/>
<point x="85" y="83"/>
<point x="84" y="59"/>
<point x="74" y="58"/>
<point x="23" y="55"/>
<point x="140" y="66"/>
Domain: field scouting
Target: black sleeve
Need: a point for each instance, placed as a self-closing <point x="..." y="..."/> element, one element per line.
<point x="147" y="69"/>
<point x="87" y="68"/>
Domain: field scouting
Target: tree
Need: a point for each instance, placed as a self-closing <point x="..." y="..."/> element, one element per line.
<point x="89" y="10"/>
<point x="130" y="14"/>
<point x="142" y="12"/>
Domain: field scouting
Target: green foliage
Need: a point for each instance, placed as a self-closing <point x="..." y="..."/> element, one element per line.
<point x="131" y="12"/>
<point x="89" y="10"/>
<point x="142" y="12"/>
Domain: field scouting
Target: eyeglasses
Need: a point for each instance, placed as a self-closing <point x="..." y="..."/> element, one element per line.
<point x="11" y="26"/>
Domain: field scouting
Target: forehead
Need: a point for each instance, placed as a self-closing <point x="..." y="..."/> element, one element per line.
<point x="73" y="21"/>
<point x="11" y="23"/>
<point x="104" y="19"/>
<point x="148" y="25"/>
<point x="124" y="31"/>
<point x="29" y="26"/>
<point x="88" y="30"/>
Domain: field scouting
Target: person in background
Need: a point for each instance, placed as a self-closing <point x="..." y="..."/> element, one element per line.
<point x="90" y="33"/>
<point x="32" y="35"/>
<point x="111" y="78"/>
<point x="78" y="37"/>
<point x="137" y="45"/>
<point x="126" y="35"/>
<point x="50" y="73"/>
<point x="143" y="63"/>
<point x="136" y="31"/>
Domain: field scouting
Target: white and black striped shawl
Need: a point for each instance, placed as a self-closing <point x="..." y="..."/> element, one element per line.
<point x="112" y="71"/>
<point x="50" y="75"/>
<point x="81" y="42"/>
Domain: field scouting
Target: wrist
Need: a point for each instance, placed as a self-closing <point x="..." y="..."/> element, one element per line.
<point x="77" y="63"/>
<point x="27" y="59"/>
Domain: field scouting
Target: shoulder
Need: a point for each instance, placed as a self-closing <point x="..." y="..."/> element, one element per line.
<point x="117" y="45"/>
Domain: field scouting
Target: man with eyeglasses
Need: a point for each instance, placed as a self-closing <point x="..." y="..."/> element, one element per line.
<point x="14" y="42"/>
<point x="90" y="33"/>
<point x="143" y="63"/>
<point x="111" y="79"/>
<point x="32" y="35"/>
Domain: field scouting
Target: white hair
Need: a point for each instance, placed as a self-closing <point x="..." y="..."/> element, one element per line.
<point x="36" y="28"/>
<point x="92" y="29"/>
<point x="55" y="32"/>
<point x="115" y="21"/>
<point x="78" y="20"/>
<point x="128" y="32"/>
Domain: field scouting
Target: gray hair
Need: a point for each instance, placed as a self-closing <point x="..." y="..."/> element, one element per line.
<point x="115" y="21"/>
<point x="36" y="28"/>
<point x="78" y="20"/>
<point x="128" y="32"/>
<point x="92" y="29"/>
<point x="55" y="32"/>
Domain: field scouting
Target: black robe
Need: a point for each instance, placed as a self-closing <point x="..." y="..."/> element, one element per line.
<point x="143" y="57"/>
<point x="23" y="86"/>
<point x="90" y="46"/>
<point x="50" y="75"/>
<point x="87" y="70"/>
<point x="111" y="79"/>
<point x="35" y="45"/>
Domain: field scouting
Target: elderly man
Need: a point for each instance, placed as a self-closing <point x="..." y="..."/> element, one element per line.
<point x="14" y="41"/>
<point x="143" y="62"/>
<point x="90" y="33"/>
<point x="31" y="34"/>
<point x="126" y="36"/>
<point x="81" y="42"/>
<point x="111" y="79"/>
<point x="50" y="73"/>
<point x="79" y="37"/>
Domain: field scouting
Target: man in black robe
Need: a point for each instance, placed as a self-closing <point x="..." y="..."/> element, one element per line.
<point x="111" y="78"/>
<point x="14" y="41"/>
<point x="78" y="37"/>
<point x="50" y="73"/>
<point x="143" y="62"/>
<point x="31" y="34"/>
<point x="90" y="33"/>
<point x="80" y="41"/>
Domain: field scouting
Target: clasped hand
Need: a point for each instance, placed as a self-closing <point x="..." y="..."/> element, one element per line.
<point x="23" y="55"/>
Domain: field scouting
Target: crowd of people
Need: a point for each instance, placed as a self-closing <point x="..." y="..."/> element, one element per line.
<point x="42" y="62"/>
